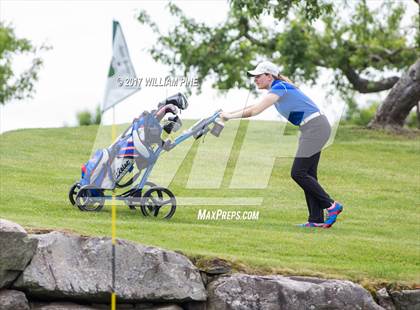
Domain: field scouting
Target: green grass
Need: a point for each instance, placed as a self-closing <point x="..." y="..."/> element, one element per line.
<point x="374" y="174"/>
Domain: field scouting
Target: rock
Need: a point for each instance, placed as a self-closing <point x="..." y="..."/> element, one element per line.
<point x="142" y="306"/>
<point x="161" y="307"/>
<point x="195" y="305"/>
<point x="242" y="291"/>
<point x="13" y="300"/>
<point x="16" y="251"/>
<point x="119" y="306"/>
<point x="61" y="306"/>
<point x="406" y="299"/>
<point x="169" y="307"/>
<point x="205" y="277"/>
<point x="384" y="300"/>
<point x="79" y="268"/>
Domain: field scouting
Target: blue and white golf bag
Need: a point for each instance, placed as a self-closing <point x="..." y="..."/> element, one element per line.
<point x="108" y="166"/>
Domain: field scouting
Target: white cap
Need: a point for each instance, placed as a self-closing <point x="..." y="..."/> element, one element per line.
<point x="264" y="67"/>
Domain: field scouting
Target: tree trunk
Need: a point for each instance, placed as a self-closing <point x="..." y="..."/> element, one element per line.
<point x="405" y="94"/>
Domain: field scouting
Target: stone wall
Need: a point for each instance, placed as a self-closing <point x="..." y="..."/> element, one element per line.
<point x="58" y="271"/>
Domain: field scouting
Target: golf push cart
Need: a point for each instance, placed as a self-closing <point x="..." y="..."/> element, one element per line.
<point x="139" y="146"/>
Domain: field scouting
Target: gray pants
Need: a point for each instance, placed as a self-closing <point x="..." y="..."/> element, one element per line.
<point x="313" y="137"/>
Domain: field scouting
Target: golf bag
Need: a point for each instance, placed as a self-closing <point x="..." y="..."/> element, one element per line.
<point x="135" y="146"/>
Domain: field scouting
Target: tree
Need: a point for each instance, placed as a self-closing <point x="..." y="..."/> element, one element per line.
<point x="359" y="45"/>
<point x="12" y="85"/>
<point x="402" y="98"/>
<point x="98" y="115"/>
<point x="223" y="52"/>
<point x="86" y="118"/>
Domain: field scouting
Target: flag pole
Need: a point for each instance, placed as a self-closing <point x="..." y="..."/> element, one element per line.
<point x="113" y="234"/>
<point x="120" y="69"/>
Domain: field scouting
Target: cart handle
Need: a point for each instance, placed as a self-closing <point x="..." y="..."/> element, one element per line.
<point x="191" y="131"/>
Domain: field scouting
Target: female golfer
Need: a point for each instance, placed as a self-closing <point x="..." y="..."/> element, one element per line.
<point x="315" y="130"/>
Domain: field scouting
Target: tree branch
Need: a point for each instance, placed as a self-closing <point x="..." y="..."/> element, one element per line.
<point x="366" y="86"/>
<point x="244" y="31"/>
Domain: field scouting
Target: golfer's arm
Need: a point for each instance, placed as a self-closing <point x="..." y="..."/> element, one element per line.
<point x="255" y="109"/>
<point x="243" y="109"/>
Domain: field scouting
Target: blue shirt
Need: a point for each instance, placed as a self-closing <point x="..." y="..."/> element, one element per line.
<point x="294" y="105"/>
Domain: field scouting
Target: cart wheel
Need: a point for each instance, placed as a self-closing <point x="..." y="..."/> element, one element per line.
<point x="74" y="189"/>
<point x="137" y="193"/>
<point x="158" y="202"/>
<point x="90" y="198"/>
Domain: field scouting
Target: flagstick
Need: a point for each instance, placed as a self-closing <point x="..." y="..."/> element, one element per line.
<point x="114" y="217"/>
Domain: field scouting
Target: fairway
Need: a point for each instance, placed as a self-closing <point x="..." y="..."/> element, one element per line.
<point x="375" y="175"/>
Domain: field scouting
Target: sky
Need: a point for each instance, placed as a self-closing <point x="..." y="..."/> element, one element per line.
<point x="73" y="77"/>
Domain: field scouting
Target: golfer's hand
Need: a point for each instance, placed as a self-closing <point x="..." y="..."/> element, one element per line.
<point x="225" y="116"/>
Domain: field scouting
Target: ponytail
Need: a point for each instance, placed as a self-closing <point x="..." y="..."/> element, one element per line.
<point x="283" y="78"/>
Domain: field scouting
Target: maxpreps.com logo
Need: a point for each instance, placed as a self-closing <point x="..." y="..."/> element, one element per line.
<point x="208" y="215"/>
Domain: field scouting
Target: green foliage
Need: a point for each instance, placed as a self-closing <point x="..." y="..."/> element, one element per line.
<point x="413" y="121"/>
<point x="358" y="44"/>
<point x="13" y="86"/>
<point x="352" y="107"/>
<point x="368" y="45"/>
<point x="310" y="9"/>
<point x="86" y="118"/>
<point x="363" y="116"/>
<point x="98" y="116"/>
